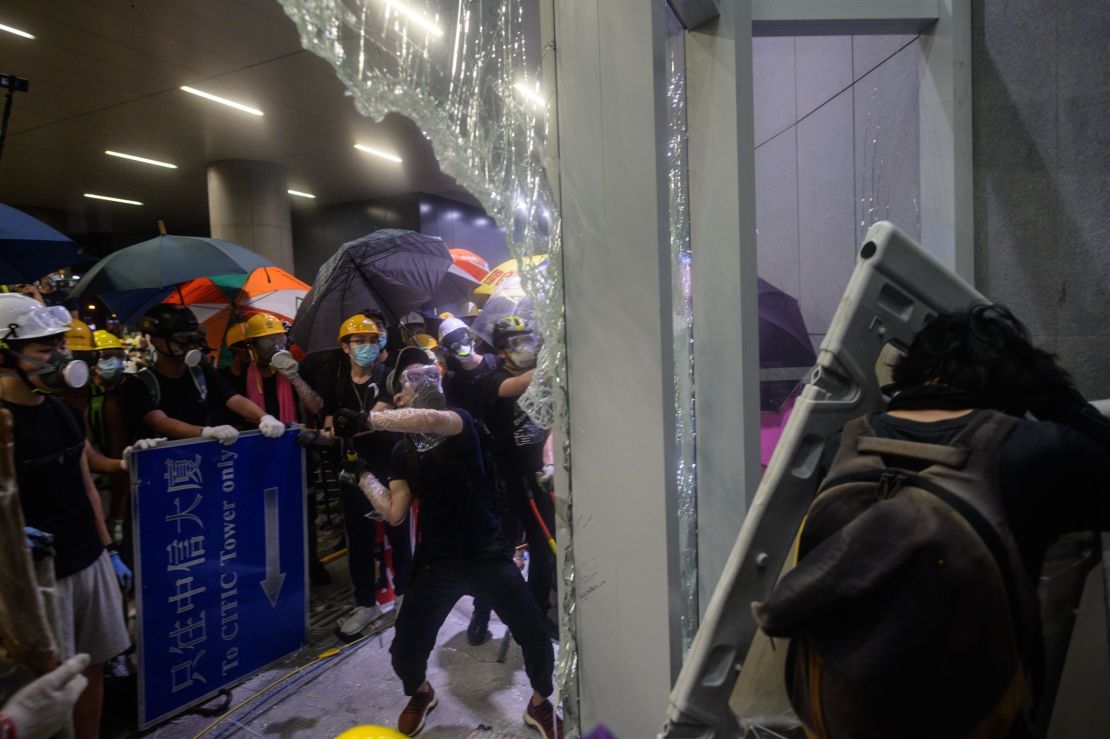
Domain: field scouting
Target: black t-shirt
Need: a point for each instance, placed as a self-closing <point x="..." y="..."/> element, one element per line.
<point x="179" y="399"/>
<point x="238" y="384"/>
<point x="466" y="388"/>
<point x="1054" y="480"/>
<point x="456" y="515"/>
<point x="49" y="443"/>
<point x="518" y="441"/>
<point x="338" y="390"/>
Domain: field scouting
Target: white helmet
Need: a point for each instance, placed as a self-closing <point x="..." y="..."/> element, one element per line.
<point x="412" y="318"/>
<point x="24" y="318"/>
<point x="449" y="325"/>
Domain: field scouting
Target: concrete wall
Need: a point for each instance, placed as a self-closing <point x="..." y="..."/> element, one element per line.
<point x="1041" y="97"/>
<point x="837" y="148"/>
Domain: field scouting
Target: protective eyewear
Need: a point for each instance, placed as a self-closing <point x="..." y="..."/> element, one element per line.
<point x="416" y="376"/>
<point x="363" y="340"/>
<point x="42" y="321"/>
<point x="521" y="342"/>
<point x="457" y="340"/>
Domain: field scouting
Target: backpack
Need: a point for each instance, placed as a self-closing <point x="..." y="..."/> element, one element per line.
<point x="909" y="611"/>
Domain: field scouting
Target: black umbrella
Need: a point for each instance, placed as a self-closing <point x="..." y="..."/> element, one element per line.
<point x="391" y="270"/>
<point x="133" y="278"/>
<point x="29" y="249"/>
<point x="785" y="350"/>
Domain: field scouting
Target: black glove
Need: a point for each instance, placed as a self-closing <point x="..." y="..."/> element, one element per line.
<point x="347" y="423"/>
<point x="352" y="470"/>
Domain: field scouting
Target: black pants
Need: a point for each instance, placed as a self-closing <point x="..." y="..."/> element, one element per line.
<point x="436" y="587"/>
<point x="541" y="560"/>
<point x="362" y="547"/>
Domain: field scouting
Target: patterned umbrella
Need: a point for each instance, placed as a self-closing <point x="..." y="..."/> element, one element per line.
<point x="219" y="300"/>
<point x="508" y="268"/>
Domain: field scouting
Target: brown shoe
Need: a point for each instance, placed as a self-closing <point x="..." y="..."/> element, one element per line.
<point x="543" y="719"/>
<point x="412" y="718"/>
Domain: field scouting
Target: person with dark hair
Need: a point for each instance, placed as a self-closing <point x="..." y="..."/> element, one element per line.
<point x="953" y="465"/>
<point x="461" y="550"/>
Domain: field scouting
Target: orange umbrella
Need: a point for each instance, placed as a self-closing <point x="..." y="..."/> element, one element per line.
<point x="219" y="299"/>
<point x="466" y="262"/>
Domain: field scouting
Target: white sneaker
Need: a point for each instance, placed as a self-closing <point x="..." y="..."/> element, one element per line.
<point x="359" y="619"/>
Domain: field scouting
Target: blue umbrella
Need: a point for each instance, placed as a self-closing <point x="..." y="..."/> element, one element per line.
<point x="138" y="276"/>
<point x="29" y="249"/>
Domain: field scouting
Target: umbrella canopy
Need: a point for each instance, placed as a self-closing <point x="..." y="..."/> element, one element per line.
<point x="138" y="276"/>
<point x="783" y="336"/>
<point x="222" y="299"/>
<point x="392" y="270"/>
<point x="468" y="263"/>
<point x="29" y="249"/>
<point x="507" y="268"/>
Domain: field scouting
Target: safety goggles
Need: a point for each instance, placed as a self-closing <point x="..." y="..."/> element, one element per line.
<point x="457" y="340"/>
<point x="521" y="342"/>
<point x="270" y="343"/>
<point x="42" y="321"/>
<point x="420" y="375"/>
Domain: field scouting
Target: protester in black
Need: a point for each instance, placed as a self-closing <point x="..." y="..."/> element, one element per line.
<point x="356" y="381"/>
<point x="519" y="451"/>
<point x="461" y="549"/>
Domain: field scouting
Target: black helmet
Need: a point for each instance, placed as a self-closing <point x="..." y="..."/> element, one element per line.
<point x="167" y="319"/>
<point x="507" y="327"/>
<point x="409" y="356"/>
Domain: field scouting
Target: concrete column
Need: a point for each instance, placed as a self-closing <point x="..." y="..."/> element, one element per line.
<point x="616" y="266"/>
<point x="248" y="204"/>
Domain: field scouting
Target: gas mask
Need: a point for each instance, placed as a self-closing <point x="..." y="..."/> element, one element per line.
<point x="459" y="343"/>
<point x="58" y="372"/>
<point x="182" y="347"/>
<point x="422" y="385"/>
<point x="522" y="350"/>
<point x="264" y="348"/>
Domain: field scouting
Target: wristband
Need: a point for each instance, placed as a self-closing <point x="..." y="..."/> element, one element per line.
<point x="7" y="727"/>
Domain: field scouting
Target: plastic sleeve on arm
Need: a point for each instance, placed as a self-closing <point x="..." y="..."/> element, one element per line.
<point x="416" y="421"/>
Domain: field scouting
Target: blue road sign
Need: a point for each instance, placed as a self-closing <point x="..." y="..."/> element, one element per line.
<point x="221" y="576"/>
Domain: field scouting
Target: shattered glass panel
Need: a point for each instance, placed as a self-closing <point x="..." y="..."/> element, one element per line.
<point x="471" y="74"/>
<point x="683" y="321"/>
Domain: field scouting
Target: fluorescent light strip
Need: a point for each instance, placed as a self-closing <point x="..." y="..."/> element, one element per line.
<point x="379" y="153"/>
<point x="144" y="160"/>
<point x="417" y="18"/>
<point x="530" y="94"/>
<point x="16" y="31"/>
<point x="111" y="199"/>
<point x="221" y="101"/>
<point x="300" y="194"/>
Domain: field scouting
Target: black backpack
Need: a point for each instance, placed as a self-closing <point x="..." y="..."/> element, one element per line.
<point x="909" y="611"/>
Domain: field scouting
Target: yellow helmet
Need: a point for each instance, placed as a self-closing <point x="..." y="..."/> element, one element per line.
<point x="366" y="731"/>
<point x="263" y="324"/>
<point x="79" y="337"/>
<point x="358" y="324"/>
<point x="106" y="340"/>
<point x="236" y="334"/>
<point x="424" y="341"/>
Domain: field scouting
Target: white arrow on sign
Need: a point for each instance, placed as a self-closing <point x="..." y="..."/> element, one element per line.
<point x="274" y="577"/>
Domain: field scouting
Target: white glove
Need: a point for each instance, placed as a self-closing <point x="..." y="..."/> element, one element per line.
<point x="284" y="363"/>
<point x="224" y="434"/>
<point x="42" y="708"/>
<point x="138" y="446"/>
<point x="270" y="427"/>
<point x="545" y="475"/>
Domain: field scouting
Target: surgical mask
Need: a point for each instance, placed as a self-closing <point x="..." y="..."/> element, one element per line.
<point x="382" y="341"/>
<point x="364" y="354"/>
<point x="110" y="367"/>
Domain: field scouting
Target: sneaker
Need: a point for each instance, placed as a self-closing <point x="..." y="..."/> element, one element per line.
<point x="419" y="706"/>
<point x="358" y="620"/>
<point x="543" y="719"/>
<point x="477" y="632"/>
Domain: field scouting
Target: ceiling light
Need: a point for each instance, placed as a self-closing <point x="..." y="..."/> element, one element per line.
<point x="16" y="31"/>
<point x="300" y="194"/>
<point x="144" y="160"/>
<point x="112" y="200"/>
<point x="417" y="18"/>
<point x="92" y="306"/>
<point x="531" y="94"/>
<point x="221" y="101"/>
<point x="379" y="153"/>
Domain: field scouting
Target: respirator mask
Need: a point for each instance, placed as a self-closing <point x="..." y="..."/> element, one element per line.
<point x="58" y="372"/>
<point x="182" y="346"/>
<point x="265" y="347"/>
<point x="423" y="386"/>
<point x="522" y="350"/>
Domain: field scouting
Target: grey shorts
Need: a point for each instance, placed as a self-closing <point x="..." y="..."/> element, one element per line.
<point x="90" y="608"/>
